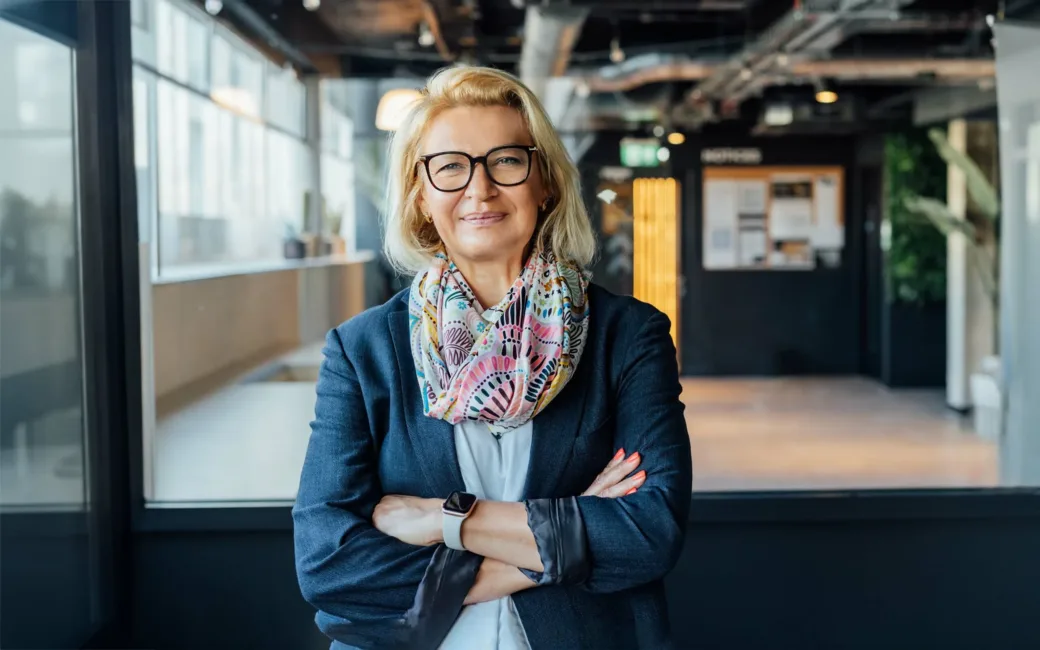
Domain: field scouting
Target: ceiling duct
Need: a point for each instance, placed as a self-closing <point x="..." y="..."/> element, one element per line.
<point x="796" y="37"/>
<point x="550" y="33"/>
<point x="682" y="69"/>
<point x="797" y="49"/>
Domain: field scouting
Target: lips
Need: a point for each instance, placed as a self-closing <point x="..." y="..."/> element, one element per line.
<point x="484" y="218"/>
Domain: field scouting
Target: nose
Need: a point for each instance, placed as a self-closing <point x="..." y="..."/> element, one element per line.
<point x="480" y="187"/>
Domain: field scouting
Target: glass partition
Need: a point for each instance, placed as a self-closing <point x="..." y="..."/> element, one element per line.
<point x="48" y="581"/>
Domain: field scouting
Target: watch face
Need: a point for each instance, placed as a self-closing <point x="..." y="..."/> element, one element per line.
<point x="460" y="503"/>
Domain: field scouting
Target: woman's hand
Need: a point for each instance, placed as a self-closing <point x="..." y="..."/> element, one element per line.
<point x="496" y="580"/>
<point x="615" y="481"/>
<point x="412" y="520"/>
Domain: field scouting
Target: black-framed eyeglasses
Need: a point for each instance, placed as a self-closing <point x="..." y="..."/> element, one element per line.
<point x="450" y="171"/>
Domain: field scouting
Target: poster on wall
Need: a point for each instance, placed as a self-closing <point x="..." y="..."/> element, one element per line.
<point x="782" y="218"/>
<point x="720" y="224"/>
<point x="828" y="231"/>
<point x="751" y="223"/>
<point x="791" y="222"/>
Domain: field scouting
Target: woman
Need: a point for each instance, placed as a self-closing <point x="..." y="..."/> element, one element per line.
<point x="499" y="457"/>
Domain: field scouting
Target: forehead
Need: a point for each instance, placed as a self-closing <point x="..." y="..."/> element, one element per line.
<point x="474" y="129"/>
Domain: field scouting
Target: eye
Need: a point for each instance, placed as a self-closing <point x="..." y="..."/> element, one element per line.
<point x="452" y="166"/>
<point x="508" y="160"/>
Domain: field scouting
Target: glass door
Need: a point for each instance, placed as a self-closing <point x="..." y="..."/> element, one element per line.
<point x="50" y="594"/>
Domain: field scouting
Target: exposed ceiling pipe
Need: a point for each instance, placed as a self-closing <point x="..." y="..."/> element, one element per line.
<point x="550" y="33"/>
<point x="248" y="17"/>
<point x="430" y="16"/>
<point x="790" y="40"/>
<point x="845" y="69"/>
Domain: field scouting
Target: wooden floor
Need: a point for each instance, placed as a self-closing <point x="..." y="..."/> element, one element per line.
<point x="795" y="434"/>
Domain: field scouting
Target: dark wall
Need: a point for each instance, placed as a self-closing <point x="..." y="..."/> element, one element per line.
<point x="770" y="322"/>
<point x="940" y="579"/>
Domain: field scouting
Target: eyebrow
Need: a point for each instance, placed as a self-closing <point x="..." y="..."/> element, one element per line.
<point x="497" y="146"/>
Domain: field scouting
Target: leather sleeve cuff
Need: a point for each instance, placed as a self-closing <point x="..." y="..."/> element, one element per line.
<point x="440" y="596"/>
<point x="559" y="533"/>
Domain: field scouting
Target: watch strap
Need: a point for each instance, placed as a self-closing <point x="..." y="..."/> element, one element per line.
<point x="452" y="531"/>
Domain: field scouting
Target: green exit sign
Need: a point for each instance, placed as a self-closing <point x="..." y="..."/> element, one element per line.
<point x="640" y="152"/>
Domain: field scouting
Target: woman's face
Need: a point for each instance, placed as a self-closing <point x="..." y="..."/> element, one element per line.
<point x="483" y="221"/>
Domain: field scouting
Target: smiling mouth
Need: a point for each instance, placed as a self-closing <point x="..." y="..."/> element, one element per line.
<point x="484" y="218"/>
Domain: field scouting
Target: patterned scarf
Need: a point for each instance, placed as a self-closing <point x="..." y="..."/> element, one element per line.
<point x="505" y="365"/>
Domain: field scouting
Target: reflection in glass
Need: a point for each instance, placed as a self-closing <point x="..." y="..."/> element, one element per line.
<point x="45" y="552"/>
<point x="41" y="438"/>
<point x="1019" y="105"/>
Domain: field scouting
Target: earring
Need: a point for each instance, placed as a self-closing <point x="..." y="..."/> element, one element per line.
<point x="545" y="203"/>
<point x="428" y="217"/>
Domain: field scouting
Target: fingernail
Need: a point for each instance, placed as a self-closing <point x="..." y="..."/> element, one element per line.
<point x="632" y="491"/>
<point x="634" y="458"/>
<point x="620" y="454"/>
<point x="640" y="476"/>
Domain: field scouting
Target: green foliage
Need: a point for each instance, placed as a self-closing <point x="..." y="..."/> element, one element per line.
<point x="984" y="195"/>
<point x="916" y="251"/>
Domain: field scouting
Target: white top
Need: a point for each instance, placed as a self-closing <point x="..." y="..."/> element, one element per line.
<point x="495" y="470"/>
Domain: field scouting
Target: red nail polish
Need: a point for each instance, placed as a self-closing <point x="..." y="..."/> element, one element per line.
<point x="634" y="458"/>
<point x="641" y="476"/>
<point x="619" y="455"/>
<point x="632" y="491"/>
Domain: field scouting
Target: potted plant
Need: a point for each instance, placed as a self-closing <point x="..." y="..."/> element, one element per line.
<point x="985" y="383"/>
<point x="293" y="247"/>
<point x="334" y="221"/>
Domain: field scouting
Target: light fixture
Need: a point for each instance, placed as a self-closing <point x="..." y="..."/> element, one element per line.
<point x="393" y="106"/>
<point x="213" y="7"/>
<point x="607" y="196"/>
<point x="663" y="154"/>
<point x="991" y="20"/>
<point x="425" y="35"/>
<point x="778" y="115"/>
<point x="676" y="138"/>
<point x="311" y="5"/>
<point x="658" y="131"/>
<point x="617" y="55"/>
<point x="825" y="96"/>
<point x="236" y="99"/>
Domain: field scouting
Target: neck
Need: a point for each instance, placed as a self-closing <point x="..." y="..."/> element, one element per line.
<point x="490" y="281"/>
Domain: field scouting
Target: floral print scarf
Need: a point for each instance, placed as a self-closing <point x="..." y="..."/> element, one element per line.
<point x="505" y="364"/>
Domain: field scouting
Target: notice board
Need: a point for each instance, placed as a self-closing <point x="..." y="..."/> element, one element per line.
<point x="773" y="218"/>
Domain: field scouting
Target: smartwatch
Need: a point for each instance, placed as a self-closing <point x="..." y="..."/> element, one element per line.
<point x="457" y="507"/>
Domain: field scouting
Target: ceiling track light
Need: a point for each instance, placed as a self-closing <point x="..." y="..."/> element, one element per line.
<point x="426" y="38"/>
<point x="617" y="55"/>
<point x="311" y="5"/>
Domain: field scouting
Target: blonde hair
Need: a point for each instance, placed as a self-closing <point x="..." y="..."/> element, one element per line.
<point x="410" y="241"/>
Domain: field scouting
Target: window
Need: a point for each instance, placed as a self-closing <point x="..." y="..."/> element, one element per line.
<point x="286" y="100"/>
<point x="237" y="77"/>
<point x="214" y="120"/>
<point x="288" y="161"/>
<point x="182" y="45"/>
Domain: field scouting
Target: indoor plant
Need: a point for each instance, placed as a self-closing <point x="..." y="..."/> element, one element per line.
<point x="986" y="392"/>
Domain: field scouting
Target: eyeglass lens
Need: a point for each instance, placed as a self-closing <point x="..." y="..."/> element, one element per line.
<point x="452" y="171"/>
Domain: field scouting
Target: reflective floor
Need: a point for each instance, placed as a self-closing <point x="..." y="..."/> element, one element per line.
<point x="246" y="441"/>
<point x="792" y="434"/>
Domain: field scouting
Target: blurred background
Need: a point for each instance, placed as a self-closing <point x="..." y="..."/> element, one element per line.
<point x="836" y="202"/>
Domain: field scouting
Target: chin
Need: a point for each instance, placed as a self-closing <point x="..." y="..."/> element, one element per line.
<point x="490" y="251"/>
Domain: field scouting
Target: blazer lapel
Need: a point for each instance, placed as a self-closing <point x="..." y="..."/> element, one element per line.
<point x="432" y="439"/>
<point x="554" y="431"/>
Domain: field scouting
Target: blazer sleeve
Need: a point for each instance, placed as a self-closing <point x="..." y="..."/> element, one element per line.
<point x="607" y="545"/>
<point x="371" y="590"/>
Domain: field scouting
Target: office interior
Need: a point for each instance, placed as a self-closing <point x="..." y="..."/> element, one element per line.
<point x="836" y="202"/>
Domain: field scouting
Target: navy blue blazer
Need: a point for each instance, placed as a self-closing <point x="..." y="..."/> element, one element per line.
<point x="370" y="438"/>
